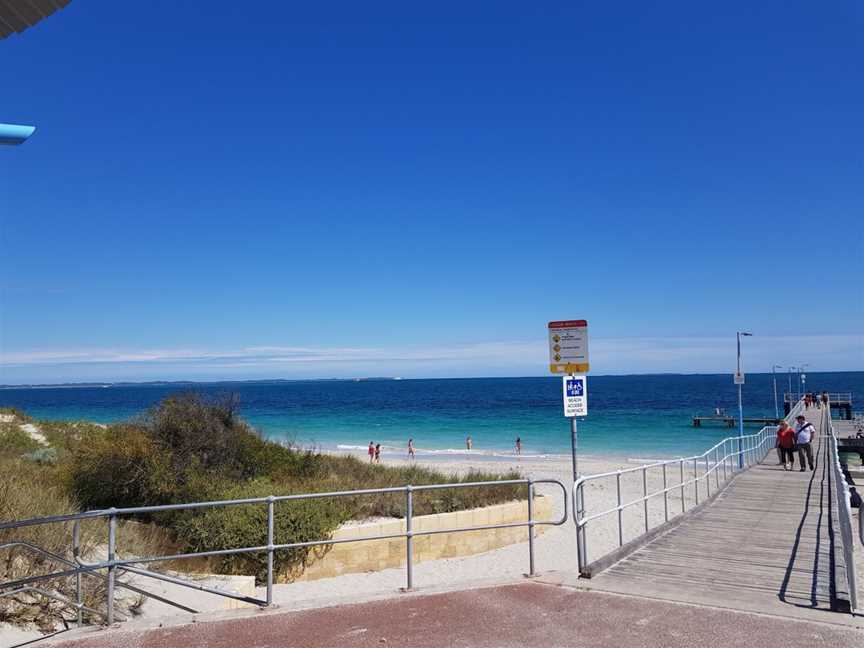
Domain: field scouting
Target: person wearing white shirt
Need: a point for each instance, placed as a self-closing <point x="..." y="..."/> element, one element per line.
<point x="804" y="432"/>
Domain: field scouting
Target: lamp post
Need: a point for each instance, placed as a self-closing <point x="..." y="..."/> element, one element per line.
<point x="13" y="134"/>
<point x="803" y="378"/>
<point x="739" y="380"/>
<point x="790" y="385"/>
<point x="774" y="369"/>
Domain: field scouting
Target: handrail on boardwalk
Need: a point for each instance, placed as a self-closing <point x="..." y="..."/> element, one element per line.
<point x="719" y="464"/>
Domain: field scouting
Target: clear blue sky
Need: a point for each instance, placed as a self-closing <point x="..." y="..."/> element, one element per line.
<point x="281" y="189"/>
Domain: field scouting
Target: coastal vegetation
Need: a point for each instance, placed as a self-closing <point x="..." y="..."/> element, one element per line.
<point x="188" y="449"/>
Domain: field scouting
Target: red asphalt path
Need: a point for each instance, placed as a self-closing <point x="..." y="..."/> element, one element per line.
<point x="526" y="614"/>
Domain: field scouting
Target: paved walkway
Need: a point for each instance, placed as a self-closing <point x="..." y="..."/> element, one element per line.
<point x="526" y="614"/>
<point x="770" y="543"/>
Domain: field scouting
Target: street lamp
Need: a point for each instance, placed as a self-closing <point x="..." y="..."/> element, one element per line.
<point x="803" y="378"/>
<point x="12" y="134"/>
<point x="790" y="385"/>
<point x="739" y="380"/>
<point x="774" y="375"/>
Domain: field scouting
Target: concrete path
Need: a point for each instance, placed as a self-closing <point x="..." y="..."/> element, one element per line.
<point x="525" y="614"/>
<point x="769" y="543"/>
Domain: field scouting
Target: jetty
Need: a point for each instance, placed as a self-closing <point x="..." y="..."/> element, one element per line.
<point x="839" y="401"/>
<point x="732" y="421"/>
<point x="768" y="541"/>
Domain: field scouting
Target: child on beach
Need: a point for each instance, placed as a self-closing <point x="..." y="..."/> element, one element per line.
<point x="371" y="452"/>
<point x="411" y="448"/>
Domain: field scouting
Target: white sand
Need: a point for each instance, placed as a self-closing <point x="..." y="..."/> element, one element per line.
<point x="34" y="433"/>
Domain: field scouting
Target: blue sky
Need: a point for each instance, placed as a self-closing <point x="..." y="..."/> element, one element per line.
<point x="416" y="190"/>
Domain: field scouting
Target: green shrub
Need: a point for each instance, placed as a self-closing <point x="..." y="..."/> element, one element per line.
<point x="245" y="525"/>
<point x="14" y="441"/>
<point x="119" y="467"/>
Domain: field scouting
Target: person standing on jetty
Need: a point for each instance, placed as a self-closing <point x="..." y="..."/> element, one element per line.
<point x="371" y="452"/>
<point x="786" y="443"/>
<point x="803" y="436"/>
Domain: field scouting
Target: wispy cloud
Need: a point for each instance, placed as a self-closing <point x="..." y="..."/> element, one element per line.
<point x="608" y="356"/>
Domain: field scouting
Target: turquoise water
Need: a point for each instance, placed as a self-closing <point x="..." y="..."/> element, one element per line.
<point x="633" y="416"/>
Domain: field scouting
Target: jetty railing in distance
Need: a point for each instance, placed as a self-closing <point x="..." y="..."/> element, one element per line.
<point x="115" y="566"/>
<point x="695" y="479"/>
<point x="844" y="511"/>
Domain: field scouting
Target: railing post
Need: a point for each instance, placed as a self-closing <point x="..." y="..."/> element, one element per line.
<point x="696" y="479"/>
<point x="645" y="495"/>
<point x="270" y="550"/>
<point x="665" y="496"/>
<point x="707" y="475"/>
<point x="725" y="461"/>
<point x="409" y="538"/>
<point x="717" y="467"/>
<point x="683" y="504"/>
<point x="581" y="536"/>
<point x="530" y="528"/>
<point x="112" y="568"/>
<point x="76" y="549"/>
<point x="620" y="512"/>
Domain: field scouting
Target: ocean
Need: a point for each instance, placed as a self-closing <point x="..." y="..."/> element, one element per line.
<point x="629" y="416"/>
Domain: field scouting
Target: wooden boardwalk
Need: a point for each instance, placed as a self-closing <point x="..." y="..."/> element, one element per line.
<point x="769" y="543"/>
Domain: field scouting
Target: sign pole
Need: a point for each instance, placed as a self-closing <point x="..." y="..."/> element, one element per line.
<point x="574" y="444"/>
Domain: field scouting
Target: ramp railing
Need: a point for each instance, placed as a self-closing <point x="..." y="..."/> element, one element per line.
<point x="692" y="480"/>
<point x="115" y="566"/>
<point x="840" y="486"/>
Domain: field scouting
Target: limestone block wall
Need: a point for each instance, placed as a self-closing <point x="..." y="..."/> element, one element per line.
<point x="374" y="555"/>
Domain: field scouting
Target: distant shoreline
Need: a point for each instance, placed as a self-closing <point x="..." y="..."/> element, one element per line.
<point x="277" y="381"/>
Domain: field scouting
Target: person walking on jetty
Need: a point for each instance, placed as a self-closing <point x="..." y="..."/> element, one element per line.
<point x="411" y="448"/>
<point x="786" y="443"/>
<point x="371" y="452"/>
<point x="804" y="432"/>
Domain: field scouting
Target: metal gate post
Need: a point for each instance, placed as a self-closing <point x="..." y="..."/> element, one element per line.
<point x="112" y="568"/>
<point x="270" y="543"/>
<point x="409" y="538"/>
<point x="530" y="528"/>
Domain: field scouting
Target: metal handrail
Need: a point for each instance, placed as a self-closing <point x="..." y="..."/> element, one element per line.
<point x="113" y="563"/>
<point x="794" y="397"/>
<point x="844" y="511"/>
<point x="751" y="449"/>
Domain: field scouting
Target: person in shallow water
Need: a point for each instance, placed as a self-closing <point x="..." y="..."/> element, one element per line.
<point x="411" y="448"/>
<point x="469" y="443"/>
<point x="786" y="443"/>
<point x="518" y="445"/>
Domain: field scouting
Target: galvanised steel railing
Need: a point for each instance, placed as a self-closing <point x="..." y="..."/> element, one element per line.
<point x="113" y="564"/>
<point x="719" y="463"/>
<point x="844" y="510"/>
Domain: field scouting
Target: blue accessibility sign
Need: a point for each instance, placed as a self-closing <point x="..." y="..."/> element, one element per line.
<point x="575" y="387"/>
